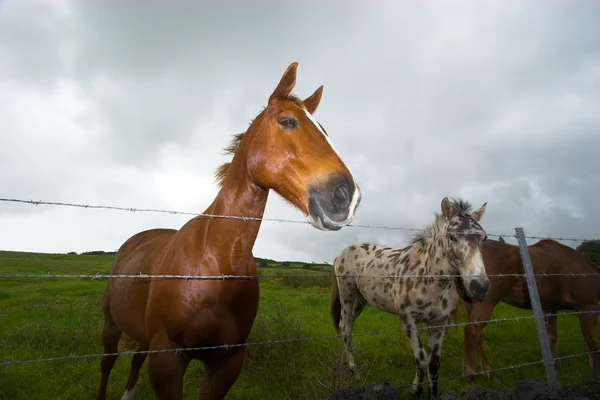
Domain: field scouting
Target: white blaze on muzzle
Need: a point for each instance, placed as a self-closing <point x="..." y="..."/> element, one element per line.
<point x="356" y="195"/>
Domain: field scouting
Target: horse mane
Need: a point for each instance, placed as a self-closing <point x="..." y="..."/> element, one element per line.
<point x="462" y="206"/>
<point x="231" y="149"/>
<point x="234" y="145"/>
<point x="440" y="223"/>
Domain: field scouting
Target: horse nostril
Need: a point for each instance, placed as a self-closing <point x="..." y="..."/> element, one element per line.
<point x="340" y="196"/>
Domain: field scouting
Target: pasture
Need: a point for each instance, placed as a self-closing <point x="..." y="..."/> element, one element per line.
<point x="50" y="317"/>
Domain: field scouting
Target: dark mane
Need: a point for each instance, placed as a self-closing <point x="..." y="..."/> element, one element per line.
<point x="440" y="223"/>
<point x="462" y="206"/>
<point x="233" y="146"/>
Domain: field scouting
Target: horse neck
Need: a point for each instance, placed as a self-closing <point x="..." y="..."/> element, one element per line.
<point x="433" y="255"/>
<point x="229" y="241"/>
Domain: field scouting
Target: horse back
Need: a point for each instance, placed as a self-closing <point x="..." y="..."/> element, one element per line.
<point x="139" y="253"/>
<point x="563" y="291"/>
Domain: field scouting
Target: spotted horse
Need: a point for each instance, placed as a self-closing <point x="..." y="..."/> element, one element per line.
<point x="417" y="283"/>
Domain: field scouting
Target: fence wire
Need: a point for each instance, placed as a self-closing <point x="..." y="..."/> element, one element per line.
<point x="244" y="218"/>
<point x="224" y="277"/>
<point x="279" y="341"/>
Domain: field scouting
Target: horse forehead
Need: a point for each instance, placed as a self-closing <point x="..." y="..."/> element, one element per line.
<point x="315" y="122"/>
<point x="465" y="222"/>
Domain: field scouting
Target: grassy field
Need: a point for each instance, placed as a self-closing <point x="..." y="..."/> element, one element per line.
<point x="51" y="317"/>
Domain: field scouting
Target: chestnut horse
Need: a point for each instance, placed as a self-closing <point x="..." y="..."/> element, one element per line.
<point x="579" y="293"/>
<point x="284" y="149"/>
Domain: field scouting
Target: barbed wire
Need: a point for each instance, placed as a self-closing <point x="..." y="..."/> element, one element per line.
<point x="244" y="218"/>
<point x="279" y="341"/>
<point x="224" y="277"/>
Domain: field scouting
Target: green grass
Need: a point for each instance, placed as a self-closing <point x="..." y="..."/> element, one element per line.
<point x="51" y="317"/>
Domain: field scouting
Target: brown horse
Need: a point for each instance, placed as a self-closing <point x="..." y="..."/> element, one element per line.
<point x="579" y="293"/>
<point x="284" y="149"/>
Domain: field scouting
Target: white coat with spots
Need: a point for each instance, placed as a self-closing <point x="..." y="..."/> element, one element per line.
<point x="407" y="282"/>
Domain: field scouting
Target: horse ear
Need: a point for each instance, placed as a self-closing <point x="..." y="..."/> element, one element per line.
<point x="447" y="208"/>
<point x="286" y="84"/>
<point x="479" y="213"/>
<point x="312" y="102"/>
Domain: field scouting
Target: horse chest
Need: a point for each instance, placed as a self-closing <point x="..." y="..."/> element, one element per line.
<point x="212" y="314"/>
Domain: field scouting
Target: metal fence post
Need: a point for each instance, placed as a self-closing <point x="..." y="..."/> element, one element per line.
<point x="536" y="306"/>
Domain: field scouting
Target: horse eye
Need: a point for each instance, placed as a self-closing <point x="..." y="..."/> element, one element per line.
<point x="289" y="123"/>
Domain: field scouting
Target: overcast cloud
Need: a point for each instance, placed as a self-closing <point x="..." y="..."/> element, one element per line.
<point x="130" y="103"/>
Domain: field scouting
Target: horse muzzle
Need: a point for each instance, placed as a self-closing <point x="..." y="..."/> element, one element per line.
<point x="478" y="288"/>
<point x="331" y="205"/>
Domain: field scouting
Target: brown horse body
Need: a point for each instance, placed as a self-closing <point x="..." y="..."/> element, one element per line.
<point x="579" y="293"/>
<point x="284" y="149"/>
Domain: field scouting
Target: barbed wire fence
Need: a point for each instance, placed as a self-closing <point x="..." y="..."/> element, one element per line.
<point x="547" y="360"/>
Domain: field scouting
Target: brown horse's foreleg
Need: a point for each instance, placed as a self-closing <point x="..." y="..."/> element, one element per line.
<point x="551" y="322"/>
<point x="111" y="335"/>
<point x="588" y="321"/>
<point x="166" y="371"/>
<point x="136" y="365"/>
<point x="481" y="311"/>
<point x="220" y="375"/>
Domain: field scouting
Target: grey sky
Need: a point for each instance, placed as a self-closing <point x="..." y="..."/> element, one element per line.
<point x="126" y="104"/>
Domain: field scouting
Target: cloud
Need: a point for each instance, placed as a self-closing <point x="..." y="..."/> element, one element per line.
<point x="130" y="105"/>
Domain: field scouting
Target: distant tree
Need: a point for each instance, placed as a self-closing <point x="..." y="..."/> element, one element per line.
<point x="99" y="253"/>
<point x="589" y="246"/>
<point x="501" y="239"/>
<point x="72" y="253"/>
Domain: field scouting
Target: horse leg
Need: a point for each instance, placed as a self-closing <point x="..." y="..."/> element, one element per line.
<point x="469" y="351"/>
<point x="136" y="365"/>
<point x="481" y="311"/>
<point x="587" y="321"/>
<point x="111" y="334"/>
<point x="348" y="301"/>
<point x="436" y="331"/>
<point x="166" y="370"/>
<point x="419" y="354"/>
<point x="551" y="319"/>
<point x="220" y="375"/>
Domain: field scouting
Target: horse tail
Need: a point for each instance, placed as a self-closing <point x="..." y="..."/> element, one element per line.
<point x="335" y="305"/>
<point x="595" y="265"/>
<point x="127" y="343"/>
